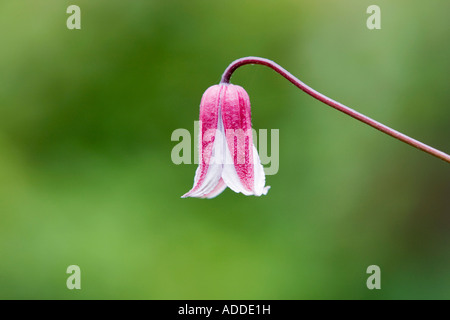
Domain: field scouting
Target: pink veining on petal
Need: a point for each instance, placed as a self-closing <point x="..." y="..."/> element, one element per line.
<point x="217" y="190"/>
<point x="236" y="118"/>
<point x="209" y="111"/>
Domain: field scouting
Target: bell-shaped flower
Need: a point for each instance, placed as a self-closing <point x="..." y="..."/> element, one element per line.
<point x="227" y="156"/>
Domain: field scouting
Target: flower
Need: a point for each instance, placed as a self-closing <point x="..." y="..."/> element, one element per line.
<point x="227" y="155"/>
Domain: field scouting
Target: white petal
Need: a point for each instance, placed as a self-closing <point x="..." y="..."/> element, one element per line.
<point x="230" y="176"/>
<point x="221" y="186"/>
<point x="214" y="172"/>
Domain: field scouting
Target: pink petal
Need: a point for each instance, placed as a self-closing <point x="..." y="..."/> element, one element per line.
<point x="208" y="175"/>
<point x="238" y="130"/>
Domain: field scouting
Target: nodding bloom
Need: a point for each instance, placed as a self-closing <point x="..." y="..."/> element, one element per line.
<point x="227" y="155"/>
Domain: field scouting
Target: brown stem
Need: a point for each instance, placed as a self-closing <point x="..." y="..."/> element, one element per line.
<point x="332" y="103"/>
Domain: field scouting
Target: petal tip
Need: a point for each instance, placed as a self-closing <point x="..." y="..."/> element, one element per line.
<point x="266" y="189"/>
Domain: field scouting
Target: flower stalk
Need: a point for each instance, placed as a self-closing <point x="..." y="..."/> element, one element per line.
<point x="332" y="103"/>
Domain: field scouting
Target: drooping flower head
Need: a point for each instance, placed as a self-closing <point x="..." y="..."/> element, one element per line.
<point x="227" y="155"/>
<point x="226" y="151"/>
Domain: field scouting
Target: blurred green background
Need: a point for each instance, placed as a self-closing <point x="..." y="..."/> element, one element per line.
<point x="86" y="176"/>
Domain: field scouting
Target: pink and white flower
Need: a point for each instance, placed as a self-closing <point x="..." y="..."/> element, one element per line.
<point x="227" y="155"/>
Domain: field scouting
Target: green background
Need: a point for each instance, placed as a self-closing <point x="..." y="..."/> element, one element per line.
<point x="86" y="176"/>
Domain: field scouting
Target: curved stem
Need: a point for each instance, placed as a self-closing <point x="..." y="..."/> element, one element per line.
<point x="332" y="103"/>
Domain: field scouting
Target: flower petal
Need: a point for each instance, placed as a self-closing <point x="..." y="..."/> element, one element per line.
<point x="208" y="174"/>
<point x="238" y="130"/>
<point x="232" y="180"/>
<point x="260" y="177"/>
<point x="221" y="186"/>
<point x="230" y="176"/>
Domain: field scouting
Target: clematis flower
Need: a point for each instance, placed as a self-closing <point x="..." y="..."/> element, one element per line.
<point x="227" y="155"/>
